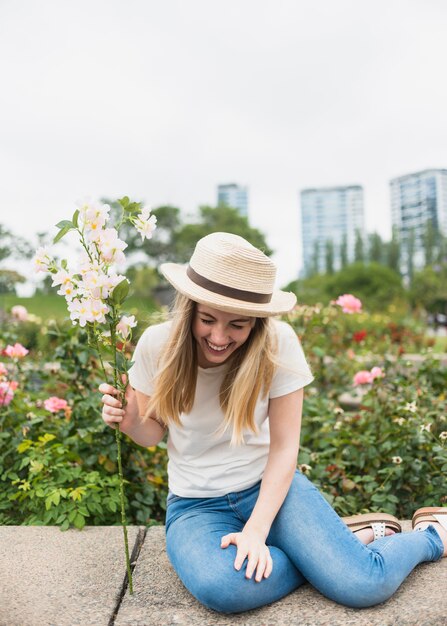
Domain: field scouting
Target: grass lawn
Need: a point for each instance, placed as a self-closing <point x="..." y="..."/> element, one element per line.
<point x="440" y="345"/>
<point x="52" y="306"/>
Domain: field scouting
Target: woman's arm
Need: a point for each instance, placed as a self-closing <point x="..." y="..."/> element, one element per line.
<point x="285" y="426"/>
<point x="145" y="433"/>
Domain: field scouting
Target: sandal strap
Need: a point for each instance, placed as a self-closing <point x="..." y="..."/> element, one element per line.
<point x="378" y="530"/>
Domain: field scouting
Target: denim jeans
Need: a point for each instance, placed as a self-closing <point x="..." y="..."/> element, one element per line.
<point x="307" y="541"/>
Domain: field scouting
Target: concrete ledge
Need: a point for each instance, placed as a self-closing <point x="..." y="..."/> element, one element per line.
<point x="160" y="598"/>
<point x="54" y="578"/>
<point x="77" y="578"/>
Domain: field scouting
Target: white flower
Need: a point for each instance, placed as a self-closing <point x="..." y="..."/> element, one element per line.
<point x="98" y="310"/>
<point x="125" y="324"/>
<point x="338" y="425"/>
<point x="399" y="420"/>
<point x="144" y="224"/>
<point x="52" y="366"/>
<point x="338" y="411"/>
<point x="426" y="427"/>
<point x="410" y="406"/>
<point x="61" y="277"/>
<point x="42" y="259"/>
<point x="303" y="467"/>
<point x="110" y="246"/>
<point x="66" y="282"/>
<point x="443" y="435"/>
<point x="397" y="460"/>
<point x="94" y="216"/>
<point x="88" y="310"/>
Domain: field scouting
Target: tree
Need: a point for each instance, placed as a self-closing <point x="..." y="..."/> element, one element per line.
<point x="359" y="252"/>
<point x="375" y="248"/>
<point x="429" y="289"/>
<point x="410" y="247"/>
<point x="314" y="267"/>
<point x="393" y="251"/>
<point x="216" y="219"/>
<point x="375" y="284"/>
<point x="174" y="241"/>
<point x="344" y="251"/>
<point x="9" y="279"/>
<point x="13" y="246"/>
<point x="329" y="256"/>
<point x="430" y="242"/>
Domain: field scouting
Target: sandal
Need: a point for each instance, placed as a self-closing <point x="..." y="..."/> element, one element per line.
<point x="377" y="521"/>
<point x="431" y="514"/>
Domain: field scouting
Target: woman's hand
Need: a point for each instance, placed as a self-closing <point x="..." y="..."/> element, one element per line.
<point x="252" y="545"/>
<point x="113" y="411"/>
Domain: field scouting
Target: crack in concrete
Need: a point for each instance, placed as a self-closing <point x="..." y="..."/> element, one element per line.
<point x="142" y="532"/>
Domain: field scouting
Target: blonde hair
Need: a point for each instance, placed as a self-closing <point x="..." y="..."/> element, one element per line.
<point x="250" y="372"/>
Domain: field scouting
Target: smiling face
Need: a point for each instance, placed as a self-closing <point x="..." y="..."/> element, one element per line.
<point x="218" y="334"/>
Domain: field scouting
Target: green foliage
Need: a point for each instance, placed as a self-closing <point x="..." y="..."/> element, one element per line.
<point x="429" y="289"/>
<point x="61" y="468"/>
<point x="9" y="279"/>
<point x="386" y="456"/>
<point x="174" y="240"/>
<point x="376" y="285"/>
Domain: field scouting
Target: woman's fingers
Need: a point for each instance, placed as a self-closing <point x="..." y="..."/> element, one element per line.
<point x="110" y="400"/>
<point x="269" y="566"/>
<point x="106" y="388"/>
<point x="240" y="557"/>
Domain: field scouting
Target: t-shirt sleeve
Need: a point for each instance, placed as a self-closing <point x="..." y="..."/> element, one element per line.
<point x="145" y="357"/>
<point x="293" y="371"/>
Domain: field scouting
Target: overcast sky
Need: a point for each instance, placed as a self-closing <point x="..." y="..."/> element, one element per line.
<point x="161" y="101"/>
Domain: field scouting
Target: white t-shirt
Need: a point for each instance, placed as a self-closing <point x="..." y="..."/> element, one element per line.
<point x="201" y="465"/>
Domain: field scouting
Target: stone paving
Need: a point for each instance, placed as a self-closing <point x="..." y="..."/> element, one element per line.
<point x="78" y="578"/>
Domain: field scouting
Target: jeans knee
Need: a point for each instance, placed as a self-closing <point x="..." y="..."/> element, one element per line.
<point x="365" y="591"/>
<point x="214" y="597"/>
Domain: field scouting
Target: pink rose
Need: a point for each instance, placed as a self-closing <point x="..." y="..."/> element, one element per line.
<point x="19" y="312"/>
<point x="17" y="351"/>
<point x="363" y="378"/>
<point x="55" y="404"/>
<point x="349" y="303"/>
<point x="6" y="393"/>
<point x="3" y="370"/>
<point x="377" y="372"/>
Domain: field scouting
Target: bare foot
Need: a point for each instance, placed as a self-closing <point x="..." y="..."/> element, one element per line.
<point x="442" y="532"/>
<point x="366" y="535"/>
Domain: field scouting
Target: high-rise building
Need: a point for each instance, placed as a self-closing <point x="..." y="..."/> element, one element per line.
<point x="330" y="214"/>
<point x="415" y="200"/>
<point x="235" y="196"/>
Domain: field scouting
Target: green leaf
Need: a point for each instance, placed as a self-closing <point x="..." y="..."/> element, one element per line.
<point x="62" y="233"/>
<point x="112" y="506"/>
<point x="134" y="207"/>
<point x="79" y="521"/>
<point x="64" y="264"/>
<point x="65" y="525"/>
<point x="120" y="292"/>
<point x="124" y="202"/>
<point x="74" y="219"/>
<point x="64" y="224"/>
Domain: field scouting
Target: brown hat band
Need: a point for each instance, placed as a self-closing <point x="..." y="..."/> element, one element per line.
<point x="224" y="290"/>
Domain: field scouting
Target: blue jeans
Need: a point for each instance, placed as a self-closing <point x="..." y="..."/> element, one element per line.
<point x="307" y="541"/>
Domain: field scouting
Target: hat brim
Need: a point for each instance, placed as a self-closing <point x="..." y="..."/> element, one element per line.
<point x="281" y="302"/>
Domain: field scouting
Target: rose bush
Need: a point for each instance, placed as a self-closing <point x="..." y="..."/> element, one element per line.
<point x="59" y="468"/>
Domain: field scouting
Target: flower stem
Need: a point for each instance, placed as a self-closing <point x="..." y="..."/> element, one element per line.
<point x="118" y="446"/>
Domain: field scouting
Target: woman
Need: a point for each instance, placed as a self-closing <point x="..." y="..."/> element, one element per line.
<point x="243" y="526"/>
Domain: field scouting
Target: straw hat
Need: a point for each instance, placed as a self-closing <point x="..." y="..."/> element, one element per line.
<point x="228" y="273"/>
